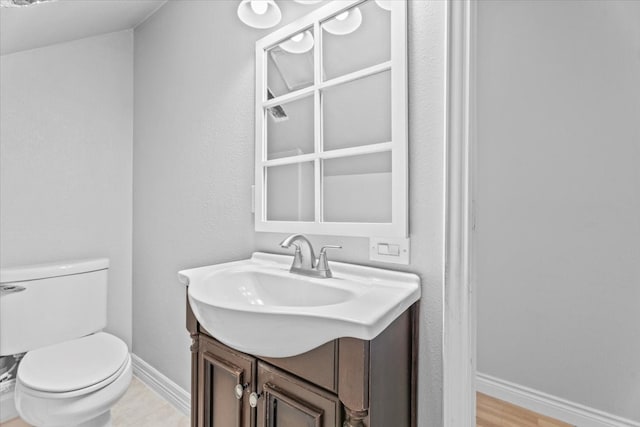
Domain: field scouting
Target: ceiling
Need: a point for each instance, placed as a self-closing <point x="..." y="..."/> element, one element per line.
<point x="45" y="24"/>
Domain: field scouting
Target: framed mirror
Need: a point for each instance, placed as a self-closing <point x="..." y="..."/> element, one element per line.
<point x="331" y="122"/>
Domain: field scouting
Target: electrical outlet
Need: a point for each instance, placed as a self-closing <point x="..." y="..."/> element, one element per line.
<point x="389" y="249"/>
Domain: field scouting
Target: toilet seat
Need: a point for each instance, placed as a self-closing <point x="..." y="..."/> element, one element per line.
<point x="76" y="408"/>
<point x="74" y="367"/>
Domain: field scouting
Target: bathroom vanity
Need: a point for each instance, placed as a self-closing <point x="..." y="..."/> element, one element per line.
<point x="352" y="381"/>
<point x="272" y="348"/>
<point x="290" y="341"/>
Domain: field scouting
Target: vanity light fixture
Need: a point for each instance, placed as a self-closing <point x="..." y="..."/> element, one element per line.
<point x="345" y="23"/>
<point x="300" y="43"/>
<point x="266" y="14"/>
<point x="259" y="13"/>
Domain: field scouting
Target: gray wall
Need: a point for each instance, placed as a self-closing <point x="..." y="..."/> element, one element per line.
<point x="559" y="199"/>
<point x="65" y="159"/>
<point x="193" y="156"/>
<point x="193" y="167"/>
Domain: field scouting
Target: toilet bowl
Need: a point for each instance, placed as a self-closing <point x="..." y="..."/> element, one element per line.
<point x="74" y="383"/>
<point x="72" y="372"/>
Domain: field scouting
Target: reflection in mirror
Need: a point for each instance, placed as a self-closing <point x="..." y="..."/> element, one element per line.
<point x="357" y="188"/>
<point x="358" y="112"/>
<point x="290" y="64"/>
<point x="290" y="128"/>
<point x="344" y="23"/>
<point x="351" y="48"/>
<point x="290" y="192"/>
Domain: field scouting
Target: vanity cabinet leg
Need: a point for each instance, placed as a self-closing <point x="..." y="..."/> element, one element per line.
<point x="194" y="379"/>
<point x="354" y="418"/>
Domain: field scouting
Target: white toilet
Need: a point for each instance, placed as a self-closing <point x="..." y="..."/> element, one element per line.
<point x="72" y="373"/>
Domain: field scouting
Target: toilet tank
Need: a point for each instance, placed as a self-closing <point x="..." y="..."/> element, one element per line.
<point x="49" y="303"/>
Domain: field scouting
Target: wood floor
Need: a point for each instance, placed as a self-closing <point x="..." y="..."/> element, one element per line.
<point x="491" y="412"/>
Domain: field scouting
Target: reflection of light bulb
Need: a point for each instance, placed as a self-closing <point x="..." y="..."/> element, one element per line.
<point x="300" y="43"/>
<point x="344" y="23"/>
<point x="259" y="6"/>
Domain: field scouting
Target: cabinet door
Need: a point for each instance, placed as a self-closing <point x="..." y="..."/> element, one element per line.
<point x="286" y="401"/>
<point x="220" y="371"/>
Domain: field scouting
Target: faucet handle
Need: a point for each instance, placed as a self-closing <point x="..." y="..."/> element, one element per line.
<point x="323" y="262"/>
<point x="323" y="250"/>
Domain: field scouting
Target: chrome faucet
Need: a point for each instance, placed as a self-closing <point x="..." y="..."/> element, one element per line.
<point x="304" y="259"/>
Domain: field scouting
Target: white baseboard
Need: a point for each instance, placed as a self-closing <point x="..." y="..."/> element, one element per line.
<point x="551" y="406"/>
<point x="162" y="385"/>
<point x="7" y="405"/>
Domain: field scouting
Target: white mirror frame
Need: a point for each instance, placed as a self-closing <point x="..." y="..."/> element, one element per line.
<point x="398" y="146"/>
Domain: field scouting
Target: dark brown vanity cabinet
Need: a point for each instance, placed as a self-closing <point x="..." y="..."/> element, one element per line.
<point x="220" y="371"/>
<point x="346" y="382"/>
<point x="287" y="401"/>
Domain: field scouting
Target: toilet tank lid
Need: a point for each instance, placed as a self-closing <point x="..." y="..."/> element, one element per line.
<point x="53" y="269"/>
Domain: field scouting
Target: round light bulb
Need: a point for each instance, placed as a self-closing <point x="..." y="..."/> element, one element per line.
<point x="259" y="6"/>
<point x="384" y="4"/>
<point x="259" y="13"/>
<point x="297" y="37"/>
<point x="343" y="16"/>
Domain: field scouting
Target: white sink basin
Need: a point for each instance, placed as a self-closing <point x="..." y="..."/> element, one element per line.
<point x="258" y="307"/>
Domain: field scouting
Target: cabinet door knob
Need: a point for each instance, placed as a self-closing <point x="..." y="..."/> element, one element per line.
<point x="239" y="390"/>
<point x="253" y="399"/>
